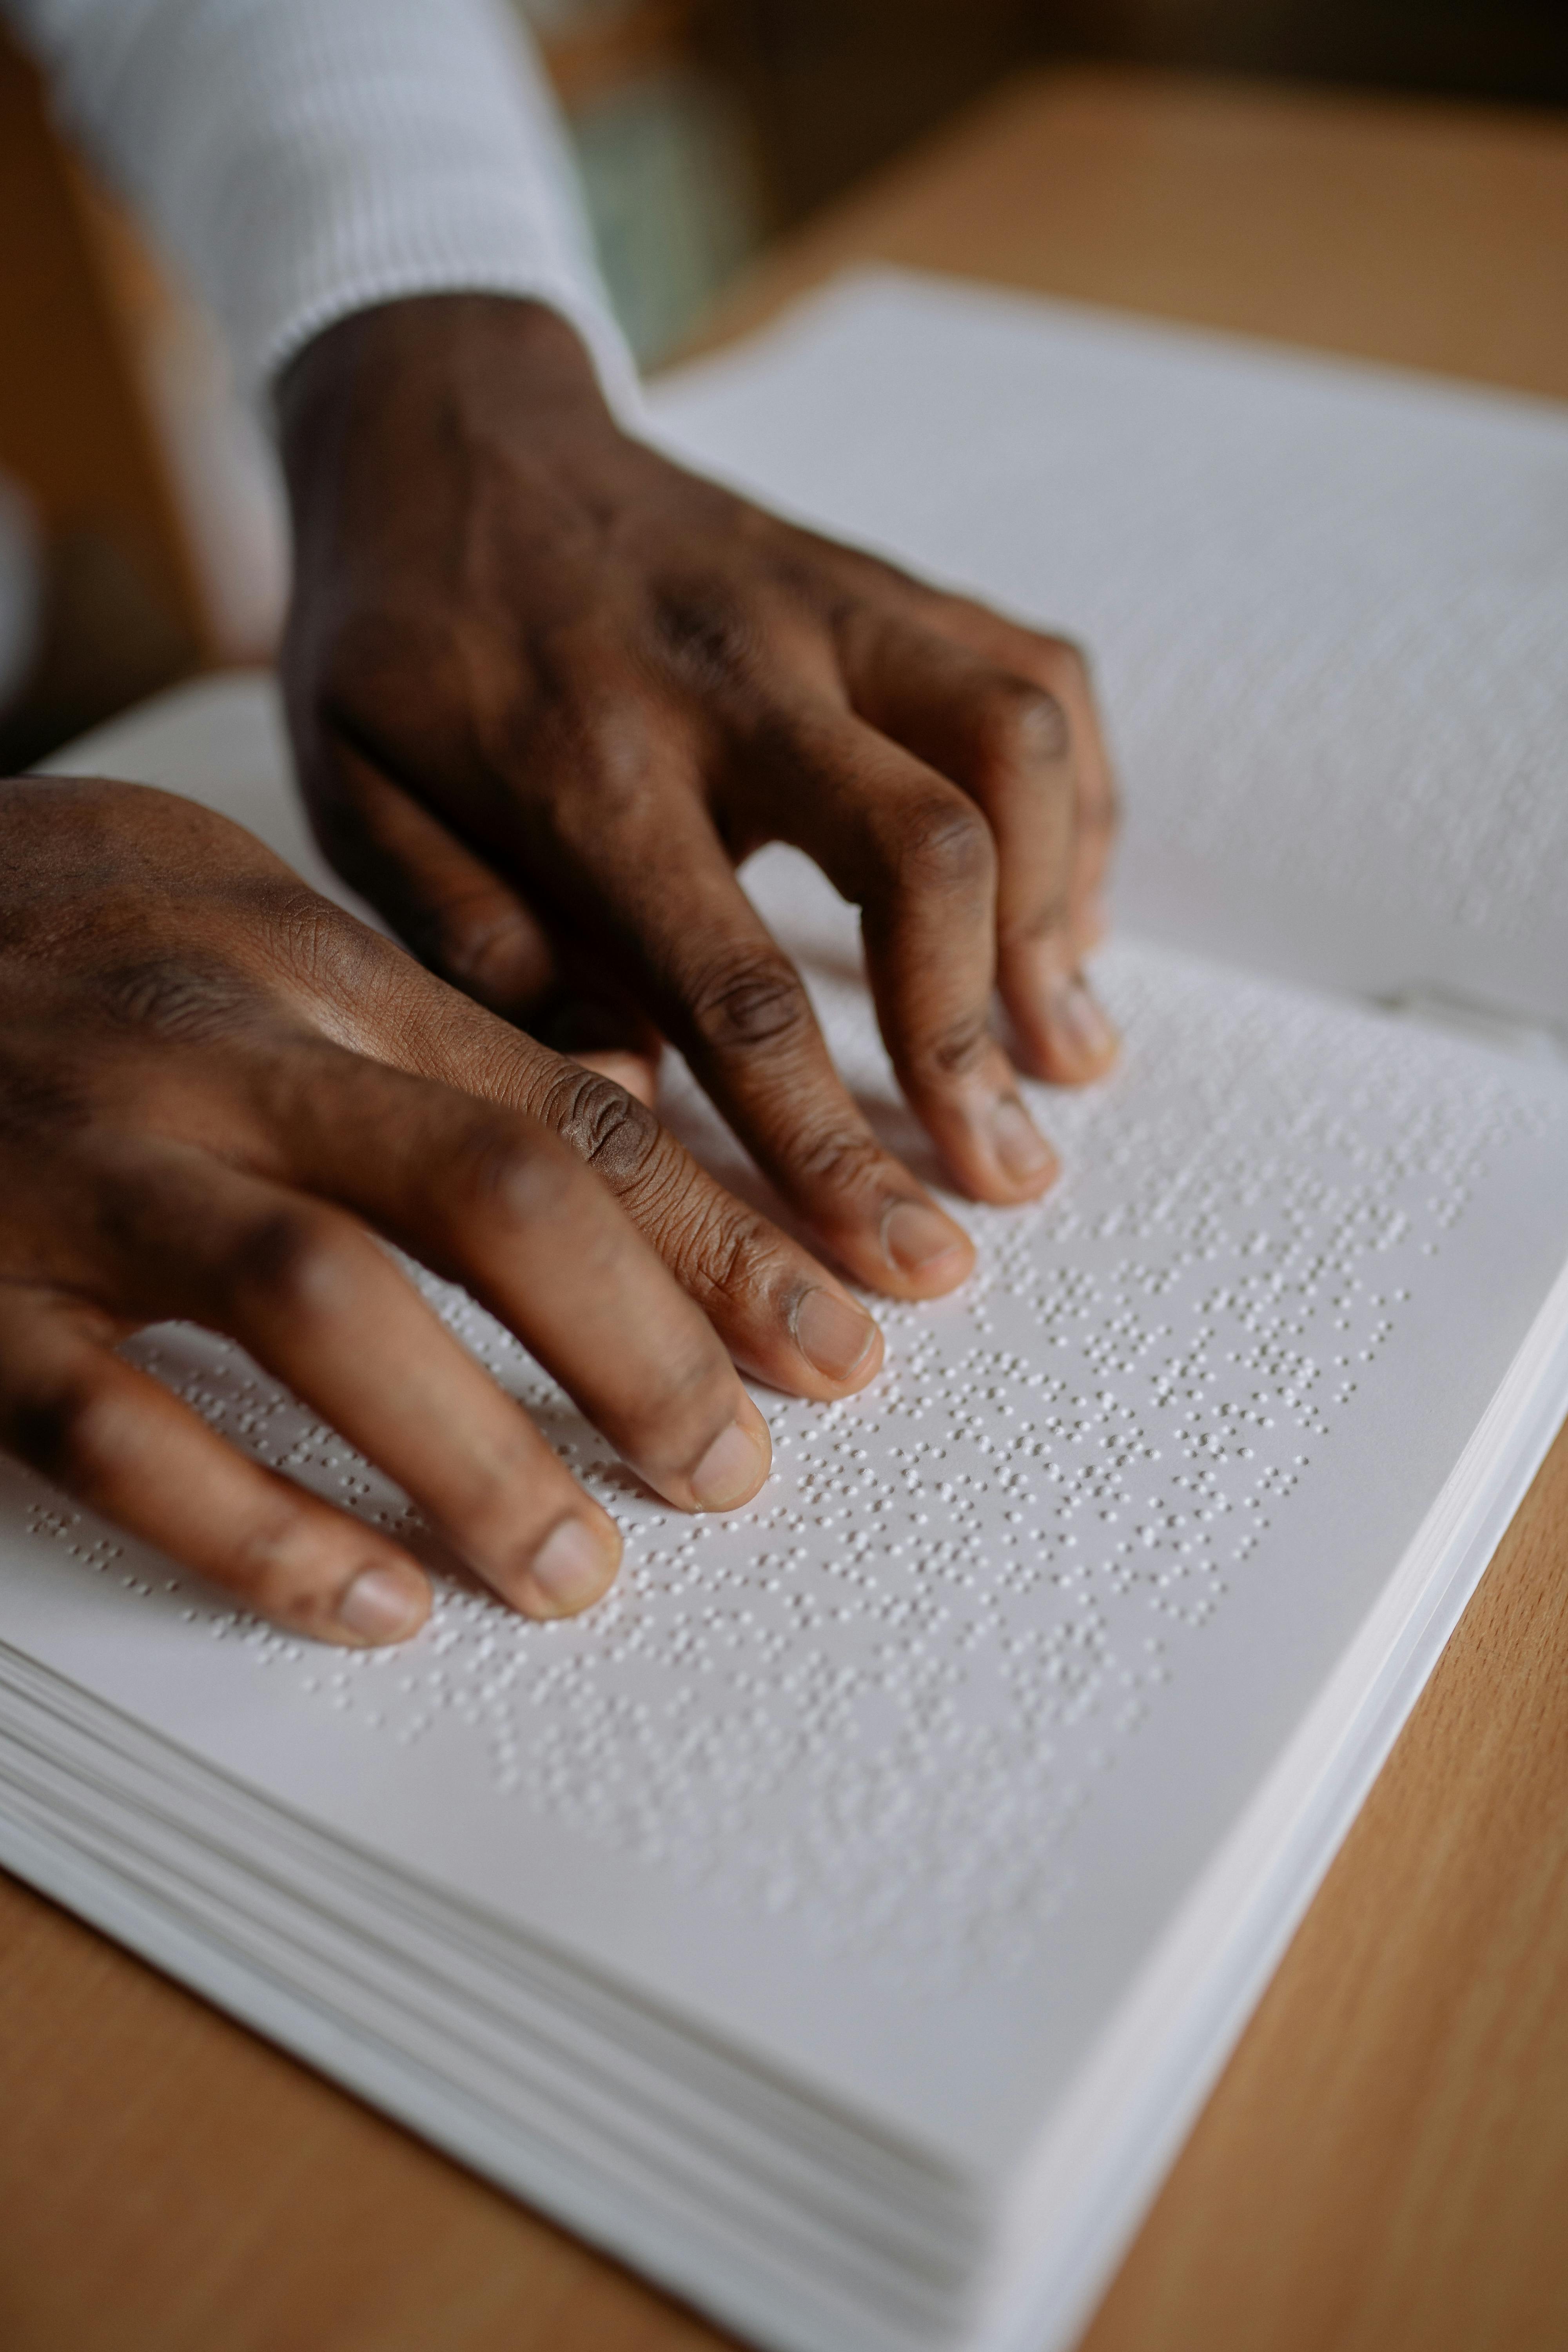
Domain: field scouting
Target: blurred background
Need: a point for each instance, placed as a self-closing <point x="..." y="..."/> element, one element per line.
<point x="705" y="129"/>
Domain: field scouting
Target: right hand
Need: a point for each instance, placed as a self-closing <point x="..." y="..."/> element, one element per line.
<point x="548" y="691"/>
<point x="212" y="1082"/>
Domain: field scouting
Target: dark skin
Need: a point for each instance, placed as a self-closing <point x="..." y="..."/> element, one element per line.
<point x="547" y="690"/>
<point x="215" y="1089"/>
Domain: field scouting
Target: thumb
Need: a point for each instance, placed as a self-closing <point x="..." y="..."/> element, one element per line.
<point x="459" y="916"/>
<point x="469" y="925"/>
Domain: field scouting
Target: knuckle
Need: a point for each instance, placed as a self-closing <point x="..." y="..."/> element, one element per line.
<point x="708" y="629"/>
<point x="505" y="1168"/>
<point x="750" y="999"/>
<point x="1020" y="723"/>
<point x="953" y="1051"/>
<point x="945" y="847"/>
<point x="1044" y="921"/>
<point x="607" y="740"/>
<point x="70" y="1429"/>
<point x="846" y="1160"/>
<point x="186" y="999"/>
<point x="718" y="1250"/>
<point x="38" y="1101"/>
<point x="604" y="1126"/>
<point x="1061" y="662"/>
<point x="292" y="1258"/>
<point x="314" y="942"/>
<point x="494" y="952"/>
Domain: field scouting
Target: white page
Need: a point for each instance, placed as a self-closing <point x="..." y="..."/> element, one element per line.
<point x="1328" y="605"/>
<point x="896" y="1778"/>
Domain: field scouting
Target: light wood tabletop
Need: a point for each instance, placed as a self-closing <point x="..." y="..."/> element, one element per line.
<point x="1384" y="2167"/>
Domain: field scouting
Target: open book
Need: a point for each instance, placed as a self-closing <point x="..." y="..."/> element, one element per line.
<point x="844" y="1921"/>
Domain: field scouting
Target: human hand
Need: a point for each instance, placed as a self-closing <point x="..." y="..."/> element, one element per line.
<point x="212" y="1083"/>
<point x="547" y="690"/>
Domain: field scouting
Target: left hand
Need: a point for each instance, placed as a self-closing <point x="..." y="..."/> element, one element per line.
<point x="216" y="1091"/>
<point x="548" y="690"/>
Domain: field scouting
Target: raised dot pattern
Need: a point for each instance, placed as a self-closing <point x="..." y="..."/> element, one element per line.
<point x="877" y="1700"/>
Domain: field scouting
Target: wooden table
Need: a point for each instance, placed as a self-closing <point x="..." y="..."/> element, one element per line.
<point x="1384" y="2164"/>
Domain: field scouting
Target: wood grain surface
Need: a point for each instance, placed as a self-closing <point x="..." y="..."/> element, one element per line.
<point x="1432" y="235"/>
<point x="1384" y="2167"/>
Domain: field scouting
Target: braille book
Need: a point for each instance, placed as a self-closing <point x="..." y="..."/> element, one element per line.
<point x="844" y="1920"/>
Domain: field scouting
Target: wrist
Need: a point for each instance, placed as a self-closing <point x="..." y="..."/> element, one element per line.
<point x="462" y="362"/>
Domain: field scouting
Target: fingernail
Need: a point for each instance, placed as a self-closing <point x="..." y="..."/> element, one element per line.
<point x="572" y="1566"/>
<point x="1017" y="1141"/>
<point x="917" y="1238"/>
<point x="382" y="1604"/>
<point x="1076" y="1016"/>
<point x="731" y="1471"/>
<point x="833" y="1333"/>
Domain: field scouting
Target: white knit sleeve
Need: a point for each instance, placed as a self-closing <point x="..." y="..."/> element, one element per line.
<point x="304" y="159"/>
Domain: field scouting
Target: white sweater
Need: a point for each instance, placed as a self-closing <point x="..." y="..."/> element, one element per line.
<point x="304" y="159"/>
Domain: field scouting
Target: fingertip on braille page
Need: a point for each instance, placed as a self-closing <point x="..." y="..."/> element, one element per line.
<point x="926" y="1245"/>
<point x="837" y="1338"/>
<point x="734" y="1467"/>
<point x="1023" y="1156"/>
<point x="1079" y="1026"/>
<point x="384" y="1603"/>
<point x="574" y="1564"/>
